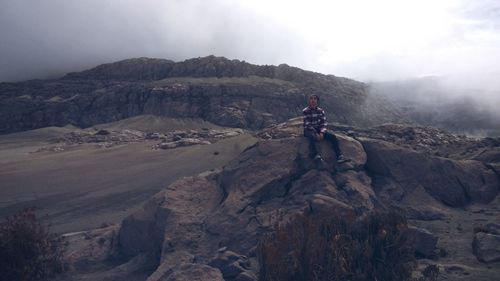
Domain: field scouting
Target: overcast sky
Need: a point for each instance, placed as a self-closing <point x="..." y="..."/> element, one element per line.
<point x="365" y="40"/>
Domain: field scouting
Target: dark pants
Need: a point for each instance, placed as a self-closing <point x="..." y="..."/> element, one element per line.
<point x="313" y="144"/>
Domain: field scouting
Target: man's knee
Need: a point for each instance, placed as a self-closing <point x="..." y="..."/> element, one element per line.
<point x="308" y="135"/>
<point x="329" y="135"/>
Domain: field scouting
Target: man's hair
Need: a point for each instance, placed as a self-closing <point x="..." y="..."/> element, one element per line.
<point x="314" y="95"/>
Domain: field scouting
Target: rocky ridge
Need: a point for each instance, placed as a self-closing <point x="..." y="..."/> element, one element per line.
<point x="210" y="225"/>
<point x="225" y="92"/>
<point x="103" y="138"/>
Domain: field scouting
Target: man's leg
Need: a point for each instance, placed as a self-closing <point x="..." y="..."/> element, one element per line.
<point x="313" y="146"/>
<point x="335" y="144"/>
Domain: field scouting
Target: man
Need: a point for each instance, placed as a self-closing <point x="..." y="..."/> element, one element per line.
<point x="315" y="129"/>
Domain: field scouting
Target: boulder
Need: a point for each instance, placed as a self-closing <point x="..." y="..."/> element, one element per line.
<point x="317" y="192"/>
<point x="89" y="247"/>
<point x="230" y="264"/>
<point x="353" y="150"/>
<point x="195" y="272"/>
<point x="424" y="241"/>
<point x="486" y="247"/>
<point x="425" y="213"/>
<point x="453" y="182"/>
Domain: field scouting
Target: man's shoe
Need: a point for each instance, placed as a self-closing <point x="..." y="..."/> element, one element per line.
<point x="341" y="159"/>
<point x="319" y="163"/>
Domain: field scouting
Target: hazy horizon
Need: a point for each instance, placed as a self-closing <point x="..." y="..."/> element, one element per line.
<point x="363" y="40"/>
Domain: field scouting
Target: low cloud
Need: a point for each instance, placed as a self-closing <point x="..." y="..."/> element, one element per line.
<point x="387" y="40"/>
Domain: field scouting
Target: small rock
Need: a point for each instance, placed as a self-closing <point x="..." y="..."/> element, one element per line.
<point x="232" y="270"/>
<point x="229" y="263"/>
<point x="102" y="133"/>
<point x="167" y="145"/>
<point x="153" y="136"/>
<point x="493" y="228"/>
<point x="455" y="269"/>
<point x="427" y="214"/>
<point x="195" y="272"/>
<point x="246" y="276"/>
<point x="423" y="241"/>
<point x="443" y="253"/>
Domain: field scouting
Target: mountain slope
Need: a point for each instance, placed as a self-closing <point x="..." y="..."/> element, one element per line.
<point x="224" y="92"/>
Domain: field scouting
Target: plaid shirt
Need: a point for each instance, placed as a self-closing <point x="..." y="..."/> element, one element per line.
<point x="314" y="119"/>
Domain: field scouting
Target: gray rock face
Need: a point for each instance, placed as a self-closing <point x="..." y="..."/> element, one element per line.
<point x="455" y="183"/>
<point x="424" y="241"/>
<point x="228" y="93"/>
<point x="233" y="266"/>
<point x="195" y="272"/>
<point x="91" y="246"/>
<point x="425" y="213"/>
<point x="143" y="232"/>
<point x="486" y="247"/>
<point x="269" y="182"/>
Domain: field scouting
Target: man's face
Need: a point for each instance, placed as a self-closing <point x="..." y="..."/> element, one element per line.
<point x="313" y="101"/>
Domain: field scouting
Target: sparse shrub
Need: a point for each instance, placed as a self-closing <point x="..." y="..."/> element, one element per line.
<point x="431" y="272"/>
<point x="27" y="250"/>
<point x="310" y="247"/>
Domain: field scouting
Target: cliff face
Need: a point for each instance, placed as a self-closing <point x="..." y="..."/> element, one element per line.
<point x="225" y="92"/>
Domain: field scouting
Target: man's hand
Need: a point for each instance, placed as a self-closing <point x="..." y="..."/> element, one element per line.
<point x="318" y="137"/>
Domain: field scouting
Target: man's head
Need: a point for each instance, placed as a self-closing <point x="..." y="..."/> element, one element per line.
<point x="313" y="101"/>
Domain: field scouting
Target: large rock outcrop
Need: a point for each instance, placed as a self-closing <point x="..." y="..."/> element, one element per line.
<point x="270" y="182"/>
<point x="399" y="171"/>
<point x="210" y="225"/>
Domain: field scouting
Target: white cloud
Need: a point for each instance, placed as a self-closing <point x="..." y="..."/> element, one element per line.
<point x="362" y="39"/>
